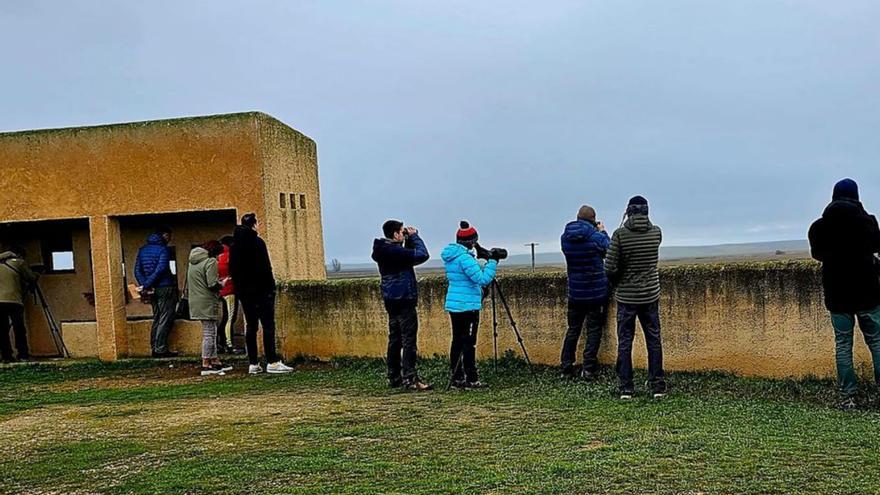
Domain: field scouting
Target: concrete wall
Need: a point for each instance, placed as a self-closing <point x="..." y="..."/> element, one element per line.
<point x="751" y="319"/>
<point x="123" y="169"/>
<point x="293" y="233"/>
<point x="104" y="175"/>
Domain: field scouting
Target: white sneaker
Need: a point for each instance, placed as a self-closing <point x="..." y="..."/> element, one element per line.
<point x="278" y="367"/>
<point x="255" y="369"/>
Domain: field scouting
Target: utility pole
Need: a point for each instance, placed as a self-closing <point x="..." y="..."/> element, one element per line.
<point x="532" y="244"/>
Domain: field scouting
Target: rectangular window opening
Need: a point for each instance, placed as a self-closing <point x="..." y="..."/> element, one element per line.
<point x="172" y="260"/>
<point x="302" y="201"/>
<point x="281" y="200"/>
<point x="293" y="201"/>
<point x="58" y="253"/>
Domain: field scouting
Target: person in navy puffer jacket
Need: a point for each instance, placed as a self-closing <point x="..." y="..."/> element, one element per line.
<point x="153" y="272"/>
<point x="584" y="244"/>
<point x="464" y="299"/>
<point x="396" y="254"/>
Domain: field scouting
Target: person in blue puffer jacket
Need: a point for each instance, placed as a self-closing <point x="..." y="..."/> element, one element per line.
<point x="584" y="244"/>
<point x="152" y="269"/>
<point x="464" y="299"/>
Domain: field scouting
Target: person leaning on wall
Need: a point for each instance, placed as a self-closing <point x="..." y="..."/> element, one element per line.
<point x="203" y="288"/>
<point x="631" y="266"/>
<point x="584" y="244"/>
<point x="846" y="240"/>
<point x="396" y="254"/>
<point x="251" y="269"/>
<point x="464" y="300"/>
<point x="152" y="269"/>
<point x="16" y="278"/>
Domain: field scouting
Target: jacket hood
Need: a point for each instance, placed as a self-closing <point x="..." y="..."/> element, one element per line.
<point x="843" y="208"/>
<point x="638" y="223"/>
<point x="155" y="238"/>
<point x="243" y="233"/>
<point x="197" y="255"/>
<point x="6" y="255"/>
<point x="578" y="231"/>
<point x="379" y="246"/>
<point x="453" y="251"/>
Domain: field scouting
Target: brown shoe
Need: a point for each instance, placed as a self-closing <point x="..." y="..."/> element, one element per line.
<point x="417" y="386"/>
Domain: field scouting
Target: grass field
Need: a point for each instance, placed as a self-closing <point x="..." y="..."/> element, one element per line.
<point x="139" y="427"/>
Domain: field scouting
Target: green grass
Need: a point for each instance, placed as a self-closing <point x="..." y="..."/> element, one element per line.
<point x="139" y="427"/>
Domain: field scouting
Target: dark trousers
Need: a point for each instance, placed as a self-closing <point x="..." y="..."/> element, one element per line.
<point x="649" y="318"/>
<point x="164" y="302"/>
<point x="15" y="313"/>
<point x="403" y="328"/>
<point x="593" y="315"/>
<point x="463" y="353"/>
<point x="259" y="311"/>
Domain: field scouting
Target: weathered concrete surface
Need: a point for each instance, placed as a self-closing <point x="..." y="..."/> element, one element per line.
<point x="762" y="319"/>
<point x="186" y="337"/>
<point x="105" y="174"/>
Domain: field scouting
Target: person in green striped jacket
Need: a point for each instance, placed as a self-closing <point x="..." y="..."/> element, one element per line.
<point x="631" y="266"/>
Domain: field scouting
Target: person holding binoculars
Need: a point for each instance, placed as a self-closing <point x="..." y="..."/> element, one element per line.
<point x="396" y="254"/>
<point x="464" y="299"/>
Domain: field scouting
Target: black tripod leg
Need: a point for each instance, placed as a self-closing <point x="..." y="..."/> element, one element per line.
<point x="53" y="326"/>
<point x="494" y="328"/>
<point x="519" y="338"/>
<point x="455" y="370"/>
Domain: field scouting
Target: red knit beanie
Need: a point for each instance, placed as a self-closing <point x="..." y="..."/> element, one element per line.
<point x="466" y="232"/>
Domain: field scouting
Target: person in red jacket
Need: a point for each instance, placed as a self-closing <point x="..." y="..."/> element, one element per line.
<point x="225" y="332"/>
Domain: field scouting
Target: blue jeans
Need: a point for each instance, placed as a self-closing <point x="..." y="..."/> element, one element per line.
<point x="844" y="325"/>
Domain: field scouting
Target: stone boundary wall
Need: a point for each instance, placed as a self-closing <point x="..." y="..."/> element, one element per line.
<point x="752" y="319"/>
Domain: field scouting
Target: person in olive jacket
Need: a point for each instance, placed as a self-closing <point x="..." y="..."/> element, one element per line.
<point x="631" y="266"/>
<point x="846" y="240"/>
<point x="16" y="278"/>
<point x="205" y="305"/>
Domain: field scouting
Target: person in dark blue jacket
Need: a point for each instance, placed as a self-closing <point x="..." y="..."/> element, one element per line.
<point x="584" y="244"/>
<point x="396" y="254"/>
<point x="153" y="273"/>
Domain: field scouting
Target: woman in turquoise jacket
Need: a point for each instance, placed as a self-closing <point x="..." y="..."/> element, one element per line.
<point x="464" y="299"/>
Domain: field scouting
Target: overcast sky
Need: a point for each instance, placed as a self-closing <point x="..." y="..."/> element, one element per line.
<point x="734" y="119"/>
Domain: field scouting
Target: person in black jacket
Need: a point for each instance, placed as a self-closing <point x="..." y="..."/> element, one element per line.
<point x="584" y="244"/>
<point x="251" y="269"/>
<point x="846" y="240"/>
<point x="396" y="254"/>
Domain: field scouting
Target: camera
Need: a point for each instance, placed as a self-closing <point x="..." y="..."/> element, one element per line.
<point x="496" y="254"/>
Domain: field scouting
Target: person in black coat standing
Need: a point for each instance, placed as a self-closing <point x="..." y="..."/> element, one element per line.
<point x="846" y="240"/>
<point x="396" y="254"/>
<point x="251" y="269"/>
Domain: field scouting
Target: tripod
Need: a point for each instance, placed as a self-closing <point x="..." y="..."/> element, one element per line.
<point x="496" y="288"/>
<point x="50" y="320"/>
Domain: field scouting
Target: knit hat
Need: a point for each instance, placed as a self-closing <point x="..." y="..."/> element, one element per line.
<point x="466" y="233"/>
<point x="637" y="200"/>
<point x="846" y="189"/>
<point x="637" y="205"/>
<point x="586" y="213"/>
